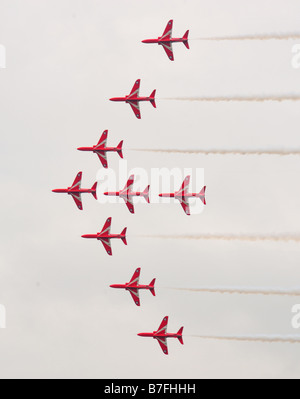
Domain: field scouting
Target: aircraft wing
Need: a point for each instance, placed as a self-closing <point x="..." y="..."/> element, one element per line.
<point x="129" y="184"/>
<point x="125" y="194"/>
<point x="107" y="226"/>
<point x="77" y="182"/>
<point x="186" y="206"/>
<point x="136" y="277"/>
<point x="136" y="89"/>
<point x="163" y="344"/>
<point x="103" y="139"/>
<point x="103" y="158"/>
<point x="136" y="108"/>
<point x="78" y="202"/>
<point x="135" y="296"/>
<point x="129" y="204"/>
<point x="107" y="245"/>
<point x="164" y="325"/>
<point x="168" y="31"/>
<point x="185" y="185"/>
<point x="169" y="50"/>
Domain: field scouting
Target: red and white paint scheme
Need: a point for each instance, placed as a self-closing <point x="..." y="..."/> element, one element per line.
<point x="183" y="195"/>
<point x="134" y="99"/>
<point x="75" y="191"/>
<point x="161" y="335"/>
<point x="133" y="287"/>
<point x="105" y="237"/>
<point x="127" y="194"/>
<point x="166" y="40"/>
<point x="101" y="149"/>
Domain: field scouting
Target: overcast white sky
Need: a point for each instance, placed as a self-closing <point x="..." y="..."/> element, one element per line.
<point x="65" y="59"/>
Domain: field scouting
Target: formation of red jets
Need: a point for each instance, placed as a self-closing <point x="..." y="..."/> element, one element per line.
<point x="166" y="41"/>
<point x="127" y="193"/>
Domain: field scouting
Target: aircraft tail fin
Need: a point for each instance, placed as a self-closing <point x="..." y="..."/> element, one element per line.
<point x="146" y="194"/>
<point x="185" y="39"/>
<point x="180" y="335"/>
<point x="152" y="98"/>
<point x="120" y="149"/>
<point x="202" y="195"/>
<point x="152" y="287"/>
<point x="94" y="190"/>
<point x="123" y="236"/>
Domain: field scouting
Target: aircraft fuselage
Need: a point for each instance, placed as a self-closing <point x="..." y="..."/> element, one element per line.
<point x="96" y="149"/>
<point x="124" y="195"/>
<point x="157" y="335"/>
<point x="180" y="196"/>
<point x="164" y="41"/>
<point x="70" y="192"/>
<point x="128" y="99"/>
<point x="129" y="287"/>
<point x="102" y="236"/>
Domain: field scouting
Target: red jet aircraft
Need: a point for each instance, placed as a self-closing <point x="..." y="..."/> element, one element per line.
<point x="161" y="335"/>
<point x="133" y="287"/>
<point x="75" y="190"/>
<point x="104" y="236"/>
<point x="126" y="194"/>
<point x="101" y="149"/>
<point x="183" y="195"/>
<point x="166" y="40"/>
<point x="134" y="99"/>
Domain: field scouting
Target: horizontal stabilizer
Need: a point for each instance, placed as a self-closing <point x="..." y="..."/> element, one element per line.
<point x="146" y="194"/>
<point x="120" y="149"/>
<point x="186" y="38"/>
<point x="202" y="195"/>
<point x="123" y="236"/>
<point x="152" y="287"/>
<point x="152" y="98"/>
<point x="180" y="335"/>
<point x="94" y="190"/>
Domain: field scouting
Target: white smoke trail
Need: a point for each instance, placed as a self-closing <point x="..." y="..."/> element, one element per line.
<point x="286" y="36"/>
<point x="242" y="291"/>
<point x="238" y="99"/>
<point x="255" y="338"/>
<point x="215" y="237"/>
<point x="224" y="152"/>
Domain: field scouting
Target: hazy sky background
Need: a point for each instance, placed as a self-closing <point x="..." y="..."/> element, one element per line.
<point x="65" y="59"/>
